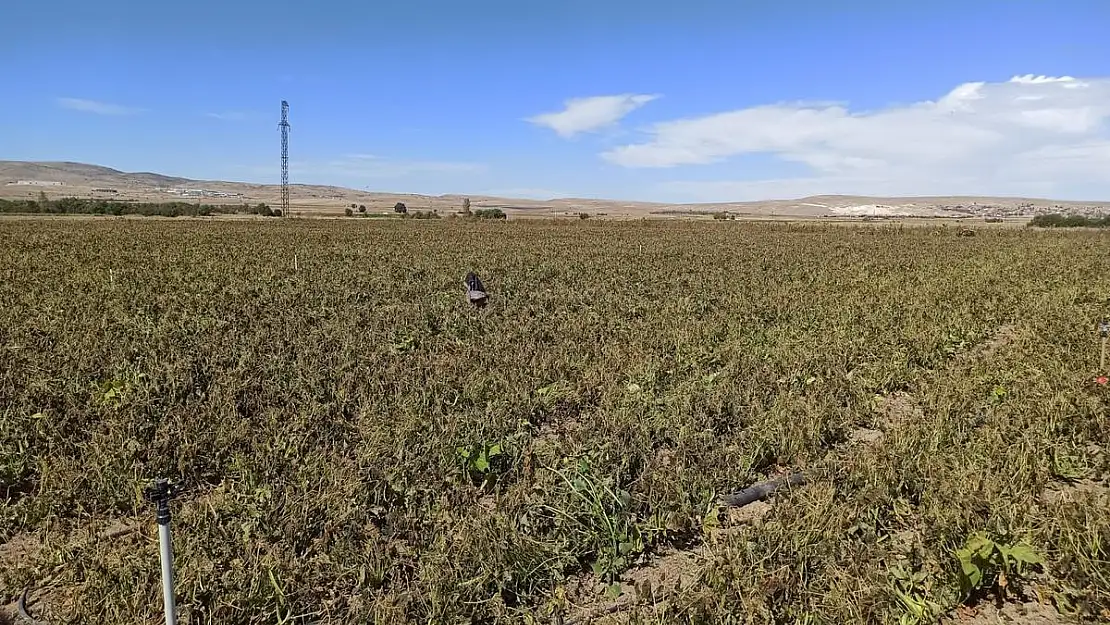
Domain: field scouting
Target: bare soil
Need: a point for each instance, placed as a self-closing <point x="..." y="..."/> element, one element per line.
<point x="1028" y="613"/>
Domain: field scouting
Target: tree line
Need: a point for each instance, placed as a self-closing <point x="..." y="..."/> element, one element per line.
<point x="79" y="206"/>
<point x="1056" y="220"/>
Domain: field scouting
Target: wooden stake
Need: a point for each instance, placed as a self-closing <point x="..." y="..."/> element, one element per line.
<point x="296" y="267"/>
<point x="1102" y="358"/>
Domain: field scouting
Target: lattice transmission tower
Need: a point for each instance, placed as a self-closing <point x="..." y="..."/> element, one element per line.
<point x="284" y="126"/>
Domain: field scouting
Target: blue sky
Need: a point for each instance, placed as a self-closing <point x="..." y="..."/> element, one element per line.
<point x="692" y="100"/>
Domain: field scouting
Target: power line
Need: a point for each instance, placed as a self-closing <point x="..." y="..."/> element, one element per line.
<point x="284" y="126"/>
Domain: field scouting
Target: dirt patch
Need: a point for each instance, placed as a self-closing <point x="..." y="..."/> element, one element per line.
<point x="1001" y="338"/>
<point x="897" y="408"/>
<point x="551" y="432"/>
<point x="1076" y="491"/>
<point x="24" y="549"/>
<point x="669" y="572"/>
<point x="19" y="548"/>
<point x="864" y="436"/>
<point x="663" y="576"/>
<point x="755" y="511"/>
<point x="1030" y="613"/>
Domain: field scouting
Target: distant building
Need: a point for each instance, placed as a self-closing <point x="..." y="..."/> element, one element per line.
<point x="201" y="193"/>
<point x="36" y="183"/>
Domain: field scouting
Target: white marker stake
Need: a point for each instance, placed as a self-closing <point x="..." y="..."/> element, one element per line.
<point x="1104" y="332"/>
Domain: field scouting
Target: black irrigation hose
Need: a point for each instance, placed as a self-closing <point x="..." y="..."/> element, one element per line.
<point x="762" y="490"/>
<point x="21" y="607"/>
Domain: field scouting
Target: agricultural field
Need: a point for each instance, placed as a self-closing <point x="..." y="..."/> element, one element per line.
<point x="357" y="444"/>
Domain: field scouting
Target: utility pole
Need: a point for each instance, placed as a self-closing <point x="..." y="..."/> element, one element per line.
<point x="284" y="126"/>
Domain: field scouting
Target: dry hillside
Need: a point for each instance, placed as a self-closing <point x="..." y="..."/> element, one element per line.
<point x="20" y="179"/>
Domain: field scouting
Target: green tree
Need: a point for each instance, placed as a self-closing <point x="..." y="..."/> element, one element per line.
<point x="400" y="207"/>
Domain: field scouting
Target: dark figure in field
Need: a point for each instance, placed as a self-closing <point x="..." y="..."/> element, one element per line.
<point x="475" y="292"/>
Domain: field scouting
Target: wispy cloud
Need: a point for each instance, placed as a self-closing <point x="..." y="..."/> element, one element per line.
<point x="228" y="116"/>
<point x="1031" y="134"/>
<point x="581" y="115"/>
<point x="99" y="108"/>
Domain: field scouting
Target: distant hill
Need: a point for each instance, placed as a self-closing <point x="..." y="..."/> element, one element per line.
<point x="81" y="174"/>
<point x="21" y="179"/>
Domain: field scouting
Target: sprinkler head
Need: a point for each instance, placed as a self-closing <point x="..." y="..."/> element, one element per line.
<point x="160" y="491"/>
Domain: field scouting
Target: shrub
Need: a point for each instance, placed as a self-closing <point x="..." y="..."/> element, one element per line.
<point x="1059" y="220"/>
<point x="96" y="206"/>
<point x="348" y="212"/>
<point x="400" y="207"/>
<point x="362" y="208"/>
<point x="490" y="213"/>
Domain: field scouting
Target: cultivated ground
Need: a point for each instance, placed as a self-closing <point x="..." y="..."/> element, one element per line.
<point x="359" y="445"/>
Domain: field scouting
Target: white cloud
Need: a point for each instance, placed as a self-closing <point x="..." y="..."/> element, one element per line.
<point x="100" y="108"/>
<point x="1028" y="133"/>
<point x="229" y="116"/>
<point x="588" y="114"/>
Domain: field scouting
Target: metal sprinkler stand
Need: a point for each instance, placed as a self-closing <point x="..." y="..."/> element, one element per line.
<point x="160" y="493"/>
<point x="1104" y="334"/>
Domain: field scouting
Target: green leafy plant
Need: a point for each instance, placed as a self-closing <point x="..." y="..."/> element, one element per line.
<point x="1068" y="465"/>
<point x="998" y="394"/>
<point x="990" y="565"/>
<point x="604" y="514"/>
<point x="913" y="589"/>
<point x="483" y="462"/>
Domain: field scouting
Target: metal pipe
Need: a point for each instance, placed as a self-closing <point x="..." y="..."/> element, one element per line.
<point x="167" y="570"/>
<point x="160" y="494"/>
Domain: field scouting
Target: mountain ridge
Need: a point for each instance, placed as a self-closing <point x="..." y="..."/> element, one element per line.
<point x="61" y="178"/>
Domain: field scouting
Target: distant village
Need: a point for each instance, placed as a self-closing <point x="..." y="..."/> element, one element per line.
<point x="179" y="192"/>
<point x="200" y="193"/>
